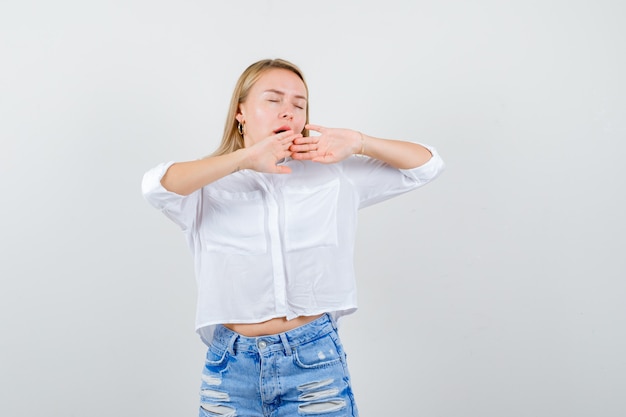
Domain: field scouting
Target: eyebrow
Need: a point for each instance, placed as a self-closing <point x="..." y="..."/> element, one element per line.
<point x="271" y="90"/>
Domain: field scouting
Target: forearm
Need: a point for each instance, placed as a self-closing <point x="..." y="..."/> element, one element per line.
<point x="186" y="177"/>
<point x="398" y="154"/>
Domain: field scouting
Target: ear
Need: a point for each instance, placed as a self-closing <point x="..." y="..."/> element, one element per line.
<point x="239" y="115"/>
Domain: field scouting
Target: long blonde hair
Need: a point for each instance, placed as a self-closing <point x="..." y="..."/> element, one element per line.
<point x="232" y="140"/>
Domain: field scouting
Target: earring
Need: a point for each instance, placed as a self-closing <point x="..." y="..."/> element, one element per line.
<point x="240" y="128"/>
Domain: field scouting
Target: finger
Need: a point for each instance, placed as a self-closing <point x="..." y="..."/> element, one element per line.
<point x="306" y="140"/>
<point x="289" y="139"/>
<point x="316" y="128"/>
<point x="302" y="147"/>
<point x="303" y="156"/>
<point x="306" y="147"/>
<point x="296" y="136"/>
<point x="284" y="136"/>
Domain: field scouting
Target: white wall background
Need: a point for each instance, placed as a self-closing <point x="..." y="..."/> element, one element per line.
<point x="496" y="291"/>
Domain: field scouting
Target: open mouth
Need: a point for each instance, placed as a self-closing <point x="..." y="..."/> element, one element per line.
<point x="281" y="129"/>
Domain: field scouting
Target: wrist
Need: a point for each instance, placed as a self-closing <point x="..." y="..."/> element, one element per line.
<point x="242" y="159"/>
<point x="361" y="145"/>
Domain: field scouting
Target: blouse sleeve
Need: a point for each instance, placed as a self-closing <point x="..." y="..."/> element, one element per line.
<point x="376" y="181"/>
<point x="180" y="209"/>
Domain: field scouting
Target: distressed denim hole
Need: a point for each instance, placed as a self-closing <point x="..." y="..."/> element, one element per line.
<point x="218" y="395"/>
<point x="315" y="385"/>
<point x="211" y="380"/>
<point x="219" y="410"/>
<point x="318" y="395"/>
<point x="322" y="407"/>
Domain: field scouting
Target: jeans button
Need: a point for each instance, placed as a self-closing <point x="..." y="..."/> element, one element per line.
<point x="262" y="344"/>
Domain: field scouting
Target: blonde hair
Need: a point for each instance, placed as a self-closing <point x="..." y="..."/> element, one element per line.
<point x="232" y="140"/>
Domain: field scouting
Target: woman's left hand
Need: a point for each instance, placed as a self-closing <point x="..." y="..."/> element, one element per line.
<point x="330" y="146"/>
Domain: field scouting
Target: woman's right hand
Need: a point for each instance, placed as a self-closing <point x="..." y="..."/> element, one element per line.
<point x="186" y="177"/>
<point x="264" y="155"/>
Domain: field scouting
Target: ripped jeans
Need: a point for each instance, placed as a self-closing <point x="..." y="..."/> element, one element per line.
<point x="301" y="372"/>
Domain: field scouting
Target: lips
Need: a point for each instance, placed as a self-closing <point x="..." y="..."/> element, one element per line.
<point x="282" y="129"/>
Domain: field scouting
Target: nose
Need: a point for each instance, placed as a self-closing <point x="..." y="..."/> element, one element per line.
<point x="286" y="114"/>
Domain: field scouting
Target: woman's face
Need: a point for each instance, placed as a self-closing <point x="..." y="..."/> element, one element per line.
<point x="276" y="102"/>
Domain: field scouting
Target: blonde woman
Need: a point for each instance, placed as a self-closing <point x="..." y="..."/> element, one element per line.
<point x="270" y="218"/>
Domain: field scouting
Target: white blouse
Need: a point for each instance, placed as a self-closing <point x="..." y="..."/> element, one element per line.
<point x="279" y="245"/>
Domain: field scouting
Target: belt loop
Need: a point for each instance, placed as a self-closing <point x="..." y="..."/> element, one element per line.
<point x="283" y="338"/>
<point x="231" y="343"/>
<point x="332" y="321"/>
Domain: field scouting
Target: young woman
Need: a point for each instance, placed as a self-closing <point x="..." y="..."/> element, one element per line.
<point x="271" y="218"/>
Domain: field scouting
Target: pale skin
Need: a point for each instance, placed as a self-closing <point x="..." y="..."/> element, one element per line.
<point x="273" y="112"/>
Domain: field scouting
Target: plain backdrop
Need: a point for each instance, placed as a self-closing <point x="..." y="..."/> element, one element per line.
<point x="497" y="290"/>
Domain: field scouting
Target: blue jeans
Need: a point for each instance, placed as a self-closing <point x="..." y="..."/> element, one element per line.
<point x="301" y="372"/>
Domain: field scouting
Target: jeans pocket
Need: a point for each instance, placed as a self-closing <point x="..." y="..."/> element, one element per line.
<point x="216" y="360"/>
<point x="318" y="353"/>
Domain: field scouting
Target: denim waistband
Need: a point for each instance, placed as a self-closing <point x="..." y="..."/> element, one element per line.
<point x="226" y="339"/>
